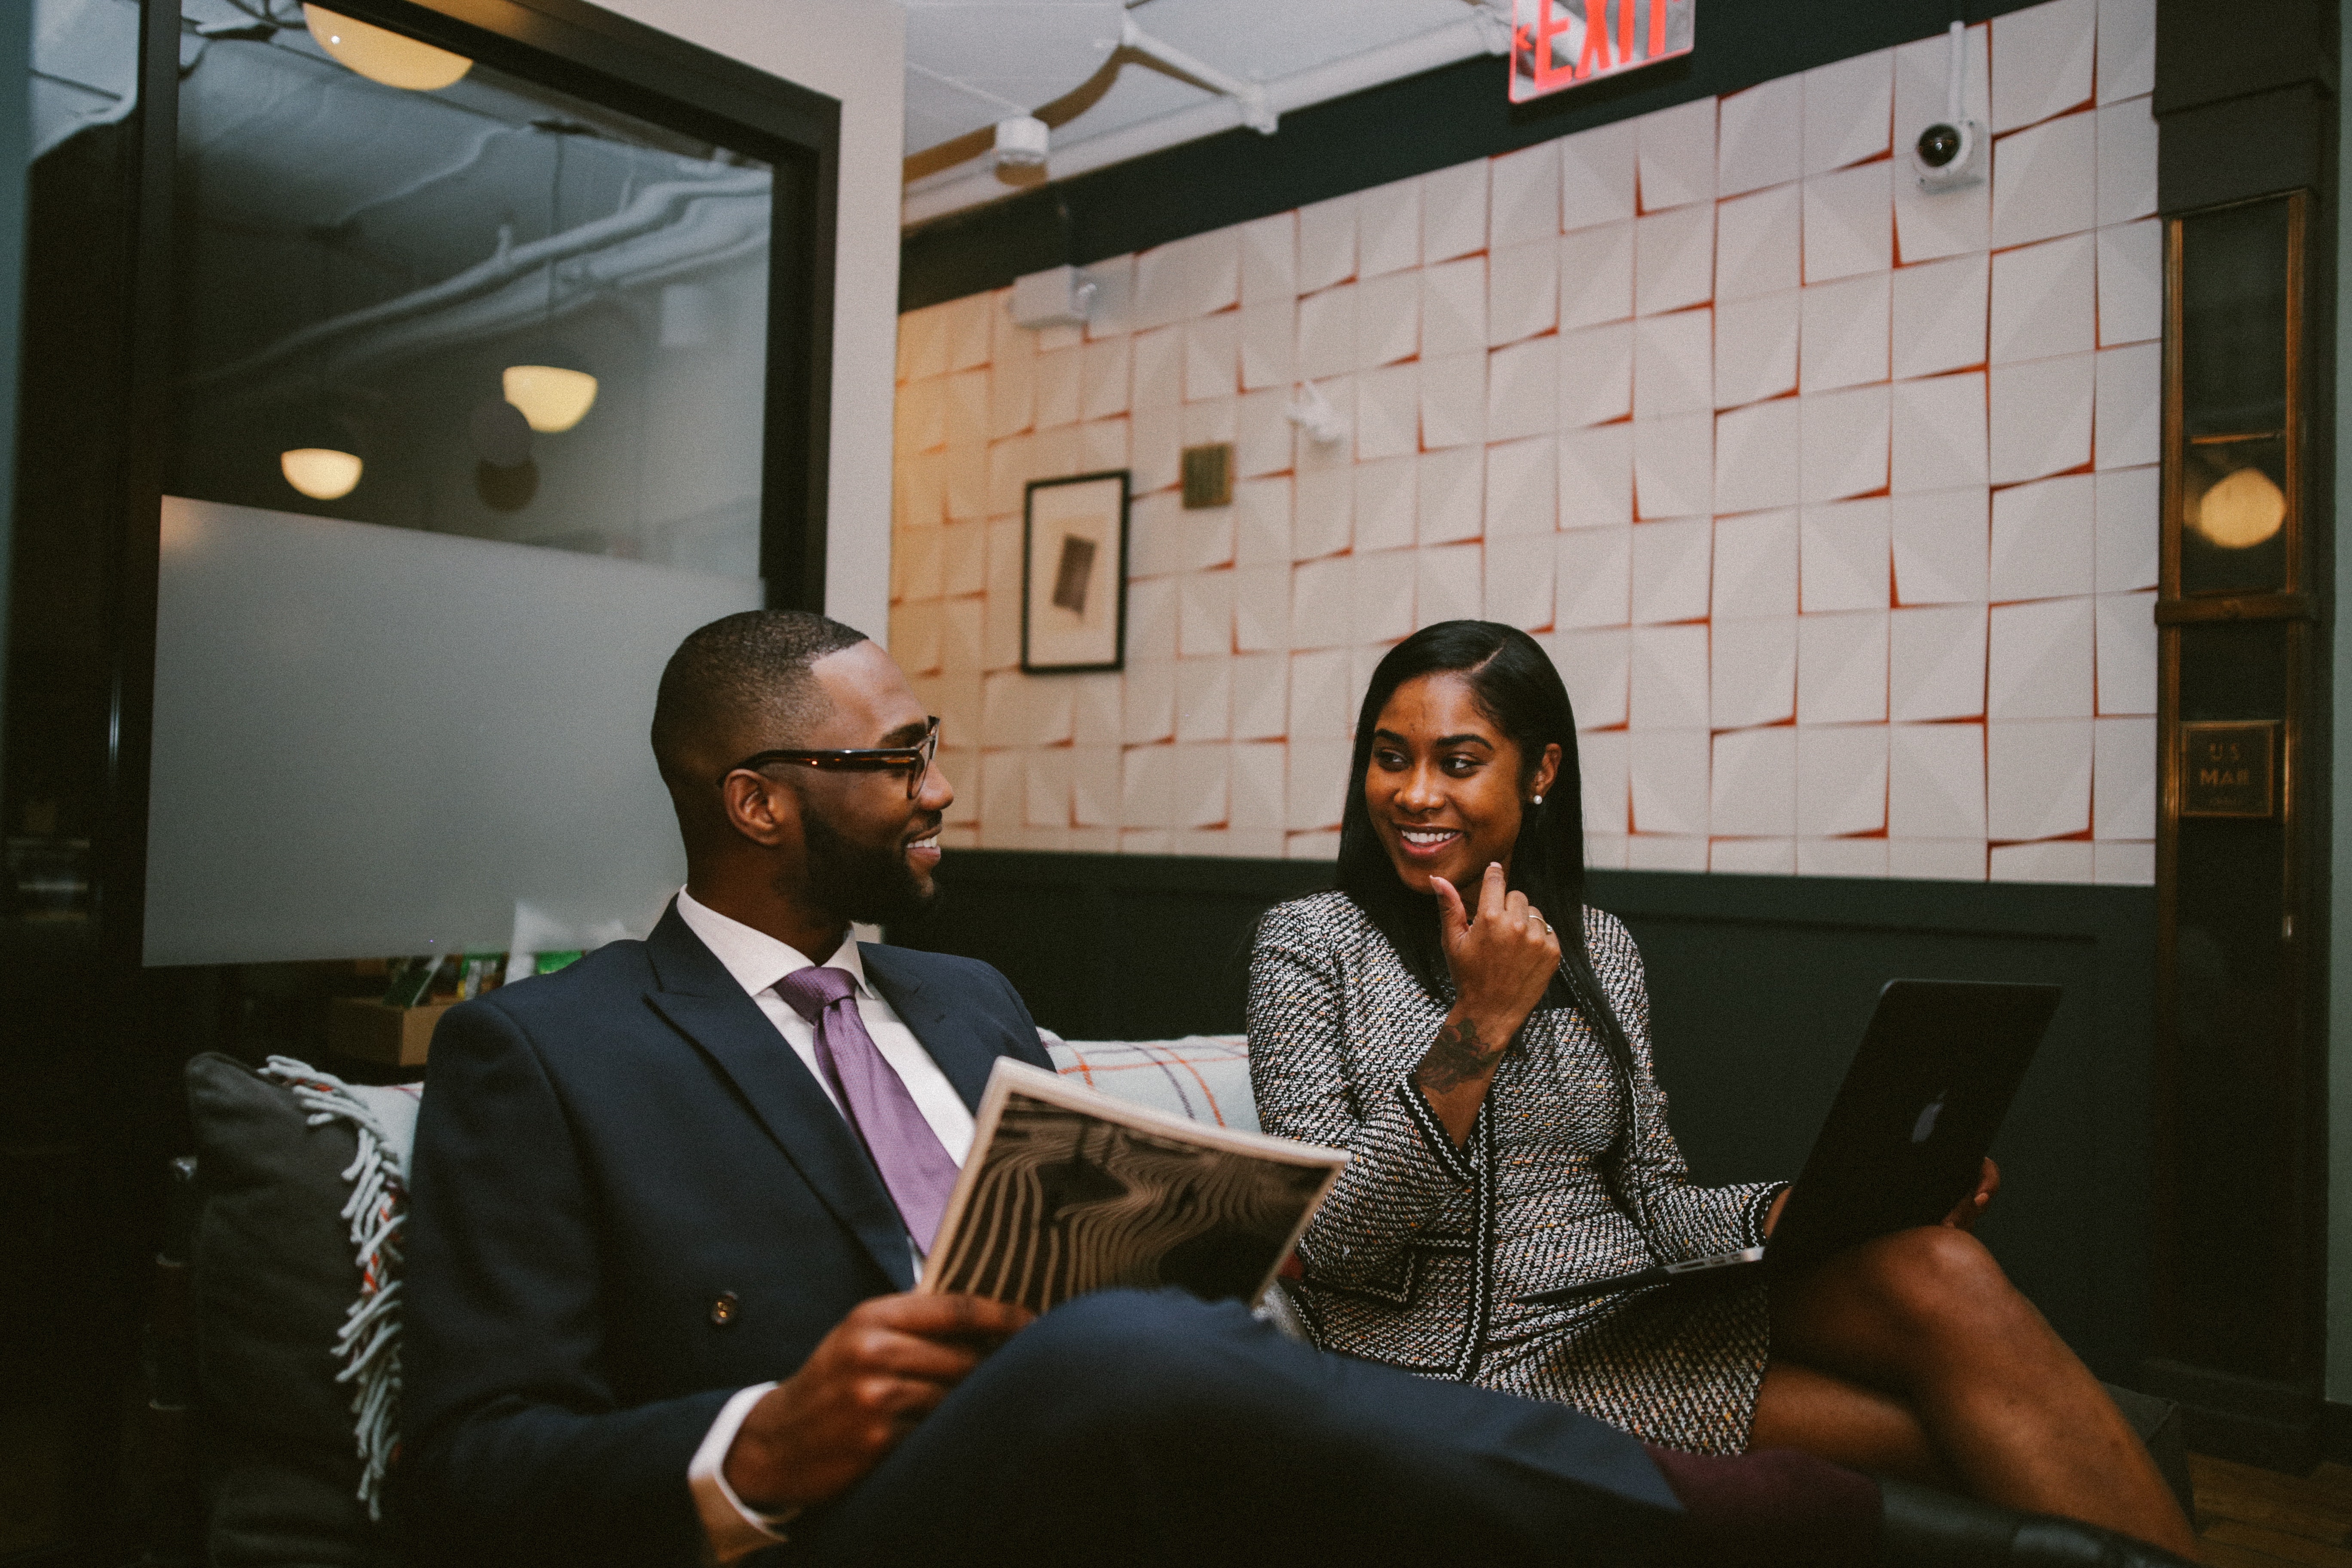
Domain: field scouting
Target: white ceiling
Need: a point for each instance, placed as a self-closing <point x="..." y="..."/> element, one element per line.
<point x="969" y="62"/>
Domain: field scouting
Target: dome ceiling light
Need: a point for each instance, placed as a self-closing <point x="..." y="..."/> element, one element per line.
<point x="323" y="473"/>
<point x="551" y="397"/>
<point x="382" y="54"/>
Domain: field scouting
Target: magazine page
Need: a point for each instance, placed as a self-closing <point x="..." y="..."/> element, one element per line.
<point x="1068" y="1190"/>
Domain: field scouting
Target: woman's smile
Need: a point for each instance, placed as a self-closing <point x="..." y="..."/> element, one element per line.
<point x="1427" y="843"/>
<point x="1444" y="783"/>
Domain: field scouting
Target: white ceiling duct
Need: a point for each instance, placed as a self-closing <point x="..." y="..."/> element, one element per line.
<point x="667" y="230"/>
<point x="1191" y="69"/>
<point x="970" y="63"/>
<point x="85" y="66"/>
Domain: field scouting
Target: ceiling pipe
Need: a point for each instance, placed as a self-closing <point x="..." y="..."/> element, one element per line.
<point x="692" y="248"/>
<point x="1257" y="112"/>
<point x="656" y="207"/>
<point x="951" y="192"/>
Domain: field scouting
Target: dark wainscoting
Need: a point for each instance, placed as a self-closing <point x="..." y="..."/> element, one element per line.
<point x="1759" y="989"/>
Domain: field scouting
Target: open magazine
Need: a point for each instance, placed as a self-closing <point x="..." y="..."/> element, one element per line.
<point x="1068" y="1190"/>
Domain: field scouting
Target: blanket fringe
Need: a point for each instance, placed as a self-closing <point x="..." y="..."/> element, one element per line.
<point x="368" y="1348"/>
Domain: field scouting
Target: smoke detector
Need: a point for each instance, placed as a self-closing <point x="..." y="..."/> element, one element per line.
<point x="1021" y="142"/>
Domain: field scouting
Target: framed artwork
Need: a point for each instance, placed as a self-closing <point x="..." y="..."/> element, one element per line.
<point x="1073" y="574"/>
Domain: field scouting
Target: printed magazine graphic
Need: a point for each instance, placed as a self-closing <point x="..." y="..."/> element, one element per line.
<point x="1068" y="1190"/>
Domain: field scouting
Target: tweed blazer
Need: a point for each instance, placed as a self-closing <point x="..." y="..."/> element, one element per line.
<point x="1423" y="1253"/>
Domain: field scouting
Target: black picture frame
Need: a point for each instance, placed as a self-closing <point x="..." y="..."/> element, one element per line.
<point x="1087" y="564"/>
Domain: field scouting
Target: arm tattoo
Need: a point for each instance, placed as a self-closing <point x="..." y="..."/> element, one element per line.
<point x="1455" y="1058"/>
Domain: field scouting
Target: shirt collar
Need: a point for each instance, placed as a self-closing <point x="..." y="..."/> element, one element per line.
<point x="755" y="959"/>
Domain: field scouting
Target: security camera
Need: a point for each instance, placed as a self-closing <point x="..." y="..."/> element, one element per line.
<point x="1945" y="157"/>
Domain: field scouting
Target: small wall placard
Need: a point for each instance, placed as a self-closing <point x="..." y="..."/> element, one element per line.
<point x="1073" y="574"/>
<point x="2229" y="768"/>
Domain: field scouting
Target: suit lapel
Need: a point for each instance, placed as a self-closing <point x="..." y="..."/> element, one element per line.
<point x="697" y="995"/>
<point x="961" y="1053"/>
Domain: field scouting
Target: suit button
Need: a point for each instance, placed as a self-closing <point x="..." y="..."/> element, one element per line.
<point x="724" y="1308"/>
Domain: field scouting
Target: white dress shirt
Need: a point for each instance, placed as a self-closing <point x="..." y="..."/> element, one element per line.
<point x="757" y="960"/>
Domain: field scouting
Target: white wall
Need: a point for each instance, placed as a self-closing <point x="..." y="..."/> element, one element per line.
<point x="852" y="50"/>
<point x="1835" y="502"/>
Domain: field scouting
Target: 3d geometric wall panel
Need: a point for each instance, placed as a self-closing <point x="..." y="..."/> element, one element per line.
<point x="1835" y="502"/>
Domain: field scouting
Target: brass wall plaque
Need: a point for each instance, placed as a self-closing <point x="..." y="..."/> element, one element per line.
<point x="2230" y="769"/>
<point x="1209" y="476"/>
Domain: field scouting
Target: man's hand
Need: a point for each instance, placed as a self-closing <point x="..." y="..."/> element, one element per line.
<point x="881" y="1370"/>
<point x="1969" y="1209"/>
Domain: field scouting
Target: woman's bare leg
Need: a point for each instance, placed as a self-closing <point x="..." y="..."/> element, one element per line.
<point x="1862" y="1428"/>
<point x="1928" y="1315"/>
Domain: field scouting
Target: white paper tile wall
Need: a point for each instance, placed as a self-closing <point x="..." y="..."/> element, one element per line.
<point x="1834" y="501"/>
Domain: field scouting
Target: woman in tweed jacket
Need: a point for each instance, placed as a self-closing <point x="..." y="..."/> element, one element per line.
<point x="1492" y="1077"/>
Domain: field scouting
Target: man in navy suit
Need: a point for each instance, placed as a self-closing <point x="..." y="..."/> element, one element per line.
<point x="666" y="1213"/>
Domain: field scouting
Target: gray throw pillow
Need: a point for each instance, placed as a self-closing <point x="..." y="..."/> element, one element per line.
<point x="274" y="1277"/>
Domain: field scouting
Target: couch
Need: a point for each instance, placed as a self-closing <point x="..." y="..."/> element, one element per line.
<point x="293" y="1337"/>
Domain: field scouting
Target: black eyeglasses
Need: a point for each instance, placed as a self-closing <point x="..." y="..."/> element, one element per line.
<point x="916" y="759"/>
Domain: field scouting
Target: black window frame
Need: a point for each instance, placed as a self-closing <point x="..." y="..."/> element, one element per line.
<point x="591" y="54"/>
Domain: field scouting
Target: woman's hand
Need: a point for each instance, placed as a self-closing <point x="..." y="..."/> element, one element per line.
<point x="1501" y="958"/>
<point x="1969" y="1210"/>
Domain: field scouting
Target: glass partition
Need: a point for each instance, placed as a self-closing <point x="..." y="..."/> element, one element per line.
<point x="428" y="314"/>
<point x="371" y="741"/>
<point x="482" y="308"/>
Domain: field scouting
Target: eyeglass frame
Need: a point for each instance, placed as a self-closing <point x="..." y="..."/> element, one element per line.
<point x="918" y="757"/>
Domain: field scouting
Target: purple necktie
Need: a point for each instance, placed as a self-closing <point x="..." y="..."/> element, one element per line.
<point x="914" y="1165"/>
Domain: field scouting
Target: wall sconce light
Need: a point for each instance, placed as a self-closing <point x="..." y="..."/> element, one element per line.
<point x="2244" y="509"/>
<point x="551" y="397"/>
<point x="323" y="473"/>
<point x="382" y="54"/>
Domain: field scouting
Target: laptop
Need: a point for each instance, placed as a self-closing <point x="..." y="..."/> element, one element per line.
<point x="1906" y="1136"/>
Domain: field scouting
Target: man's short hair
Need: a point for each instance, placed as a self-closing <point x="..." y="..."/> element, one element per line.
<point x="753" y="666"/>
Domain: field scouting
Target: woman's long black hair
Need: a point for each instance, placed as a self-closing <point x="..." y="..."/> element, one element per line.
<point x="1515" y="685"/>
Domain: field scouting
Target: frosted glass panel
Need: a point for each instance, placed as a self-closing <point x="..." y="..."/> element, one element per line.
<point x="368" y="739"/>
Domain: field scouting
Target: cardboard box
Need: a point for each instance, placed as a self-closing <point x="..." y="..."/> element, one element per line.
<point x="364" y="1027"/>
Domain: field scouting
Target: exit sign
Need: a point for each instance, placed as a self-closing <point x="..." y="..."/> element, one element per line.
<point x="1559" y="44"/>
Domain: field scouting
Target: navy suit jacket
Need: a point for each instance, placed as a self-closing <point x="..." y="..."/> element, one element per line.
<point x="603" y="1153"/>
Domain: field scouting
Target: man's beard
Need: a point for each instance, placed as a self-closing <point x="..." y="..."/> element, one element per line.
<point x="872" y="883"/>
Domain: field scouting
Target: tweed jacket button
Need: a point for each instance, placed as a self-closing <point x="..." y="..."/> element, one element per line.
<point x="724" y="1308"/>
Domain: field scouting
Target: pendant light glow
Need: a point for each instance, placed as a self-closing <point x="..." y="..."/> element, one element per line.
<point x="382" y="54"/>
<point x="2243" y="510"/>
<point x="551" y="397"/>
<point x="320" y="472"/>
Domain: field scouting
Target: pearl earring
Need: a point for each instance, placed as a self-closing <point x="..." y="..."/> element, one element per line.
<point x="1539" y="800"/>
